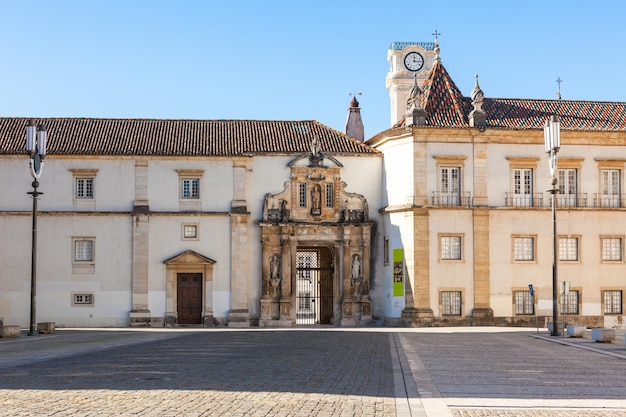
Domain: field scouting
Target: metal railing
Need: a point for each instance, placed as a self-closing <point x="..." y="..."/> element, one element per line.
<point x="523" y="200"/>
<point x="449" y="199"/>
<point x="608" y="200"/>
<point x="569" y="200"/>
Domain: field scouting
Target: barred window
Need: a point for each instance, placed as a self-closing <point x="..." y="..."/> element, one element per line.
<point x="302" y="194"/>
<point x="612" y="302"/>
<point x="568" y="249"/>
<point x="329" y="195"/>
<point x="450" y="247"/>
<point x="83" y="250"/>
<point x="190" y="188"/>
<point x="569" y="303"/>
<point x="524" y="248"/>
<point x="523" y="303"/>
<point x="451" y="303"/>
<point x="84" y="188"/>
<point x="612" y="249"/>
<point x="83" y="299"/>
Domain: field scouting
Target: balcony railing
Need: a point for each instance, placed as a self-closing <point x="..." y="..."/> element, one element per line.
<point x="449" y="199"/>
<point x="523" y="200"/>
<point x="569" y="200"/>
<point x="608" y="201"/>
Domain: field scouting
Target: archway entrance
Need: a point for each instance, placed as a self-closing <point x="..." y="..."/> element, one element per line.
<point x="314" y="286"/>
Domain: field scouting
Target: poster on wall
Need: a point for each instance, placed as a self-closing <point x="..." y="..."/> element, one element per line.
<point x="398" y="272"/>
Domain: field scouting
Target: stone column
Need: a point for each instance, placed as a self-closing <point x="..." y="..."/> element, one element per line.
<point x="239" y="315"/>
<point x="418" y="271"/>
<point x="140" y="313"/>
<point x="482" y="313"/>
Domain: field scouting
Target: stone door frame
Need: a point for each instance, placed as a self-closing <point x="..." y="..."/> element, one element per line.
<point x="188" y="262"/>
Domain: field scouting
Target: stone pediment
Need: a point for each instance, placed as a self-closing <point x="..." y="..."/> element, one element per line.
<point x="188" y="257"/>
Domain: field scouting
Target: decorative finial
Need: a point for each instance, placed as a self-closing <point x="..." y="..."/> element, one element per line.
<point x="354" y="102"/>
<point x="437" y="57"/>
<point x="415" y="96"/>
<point x="477" y="96"/>
<point x="559" y="81"/>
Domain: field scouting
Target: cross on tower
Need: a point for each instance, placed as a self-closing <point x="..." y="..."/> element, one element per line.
<point x="436" y="35"/>
<point x="559" y="81"/>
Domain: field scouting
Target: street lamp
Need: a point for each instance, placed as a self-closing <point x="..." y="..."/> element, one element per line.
<point x="552" y="138"/>
<point x="36" y="149"/>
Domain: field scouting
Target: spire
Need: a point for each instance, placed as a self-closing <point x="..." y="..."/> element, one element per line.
<point x="415" y="114"/>
<point x="415" y="95"/>
<point x="354" y="123"/>
<point x="477" y="117"/>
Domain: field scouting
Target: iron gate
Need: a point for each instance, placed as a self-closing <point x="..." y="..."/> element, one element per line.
<point x="314" y="286"/>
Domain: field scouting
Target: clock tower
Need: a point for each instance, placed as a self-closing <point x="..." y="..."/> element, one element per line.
<point x="409" y="61"/>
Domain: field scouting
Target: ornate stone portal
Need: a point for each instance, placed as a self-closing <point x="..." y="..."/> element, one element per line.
<point x="315" y="214"/>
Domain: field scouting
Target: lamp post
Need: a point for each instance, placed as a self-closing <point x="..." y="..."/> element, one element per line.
<point x="552" y="138"/>
<point x="36" y="149"/>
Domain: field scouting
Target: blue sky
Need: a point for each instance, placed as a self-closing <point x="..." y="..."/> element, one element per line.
<point x="293" y="60"/>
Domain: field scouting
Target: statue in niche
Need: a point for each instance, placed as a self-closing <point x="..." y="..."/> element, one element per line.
<point x="356" y="267"/>
<point x="316" y="200"/>
<point x="356" y="276"/>
<point x="275" y="273"/>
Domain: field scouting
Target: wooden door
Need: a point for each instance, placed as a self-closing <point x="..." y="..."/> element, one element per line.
<point x="189" y="296"/>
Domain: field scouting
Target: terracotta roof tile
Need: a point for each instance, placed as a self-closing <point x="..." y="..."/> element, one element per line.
<point x="446" y="107"/>
<point x="165" y="137"/>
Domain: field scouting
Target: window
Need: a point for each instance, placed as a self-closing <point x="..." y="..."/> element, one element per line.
<point x="84" y="188"/>
<point x="612" y="302"/>
<point x="523" y="187"/>
<point x="611" y="188"/>
<point x="83" y="250"/>
<point x="451" y="248"/>
<point x="82" y="299"/>
<point x="568" y="249"/>
<point x="523" y="303"/>
<point x="450" y="186"/>
<point x="523" y="248"/>
<point x="190" y="232"/>
<point x="190" y="188"/>
<point x="569" y="303"/>
<point x="568" y="188"/>
<point x="302" y="194"/>
<point x="329" y="195"/>
<point x="451" y="303"/>
<point x="611" y="248"/>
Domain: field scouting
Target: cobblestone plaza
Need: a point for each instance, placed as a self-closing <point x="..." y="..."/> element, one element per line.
<point x="311" y="372"/>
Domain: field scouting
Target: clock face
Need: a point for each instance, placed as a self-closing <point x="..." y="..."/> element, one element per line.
<point x="413" y="61"/>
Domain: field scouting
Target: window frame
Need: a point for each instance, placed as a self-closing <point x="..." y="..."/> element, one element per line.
<point x="86" y="190"/>
<point x="79" y="299"/>
<point x="570" y="295"/>
<point x="442" y="248"/>
<point x="514" y="249"/>
<point x="302" y="194"/>
<point x="183" y="231"/>
<point x="191" y="180"/>
<point x="450" y="307"/>
<point x="75" y="259"/>
<point x="524" y="297"/>
<point x="604" y="238"/>
<point x="615" y="309"/>
<point x="569" y="238"/>
<point x="329" y="195"/>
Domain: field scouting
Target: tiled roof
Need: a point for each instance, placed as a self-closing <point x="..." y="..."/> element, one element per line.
<point x="163" y="137"/>
<point x="447" y="107"/>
